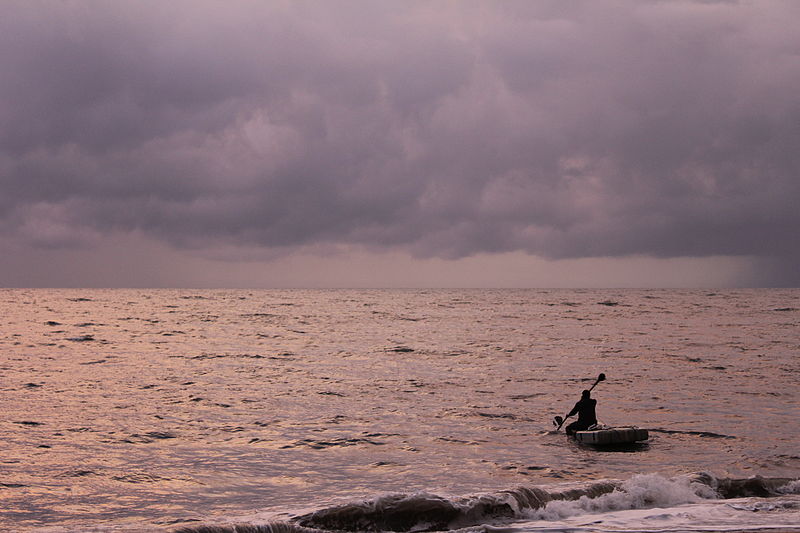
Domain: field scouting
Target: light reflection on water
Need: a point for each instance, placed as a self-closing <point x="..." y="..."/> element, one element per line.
<point x="173" y="405"/>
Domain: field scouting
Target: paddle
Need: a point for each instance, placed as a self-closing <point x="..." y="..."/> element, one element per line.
<point x="601" y="377"/>
<point x="558" y="421"/>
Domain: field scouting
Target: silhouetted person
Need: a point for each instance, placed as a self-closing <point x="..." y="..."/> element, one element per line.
<point x="586" y="415"/>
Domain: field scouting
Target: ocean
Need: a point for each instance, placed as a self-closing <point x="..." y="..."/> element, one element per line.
<point x="396" y="410"/>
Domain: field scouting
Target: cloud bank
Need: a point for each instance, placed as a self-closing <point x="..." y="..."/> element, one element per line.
<point x="442" y="129"/>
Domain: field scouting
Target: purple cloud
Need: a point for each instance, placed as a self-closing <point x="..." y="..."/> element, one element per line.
<point x="587" y="129"/>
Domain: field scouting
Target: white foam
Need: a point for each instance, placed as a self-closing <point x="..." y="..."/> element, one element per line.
<point x="793" y="487"/>
<point x="640" y="492"/>
<point x="653" y="503"/>
<point x="745" y="514"/>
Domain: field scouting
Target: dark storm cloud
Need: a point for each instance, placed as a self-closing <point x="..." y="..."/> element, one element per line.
<point x="578" y="129"/>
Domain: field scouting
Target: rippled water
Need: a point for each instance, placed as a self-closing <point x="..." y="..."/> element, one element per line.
<point x="146" y="409"/>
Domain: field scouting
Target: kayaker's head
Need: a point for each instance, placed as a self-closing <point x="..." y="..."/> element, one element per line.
<point x="585" y="395"/>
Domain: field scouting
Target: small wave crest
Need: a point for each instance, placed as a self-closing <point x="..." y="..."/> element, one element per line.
<point x="757" y="486"/>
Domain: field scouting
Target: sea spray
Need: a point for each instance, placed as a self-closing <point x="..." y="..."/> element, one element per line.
<point x="639" y="492"/>
<point x="792" y="487"/>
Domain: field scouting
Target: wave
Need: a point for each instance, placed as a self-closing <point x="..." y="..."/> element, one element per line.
<point x="728" y="488"/>
<point x="430" y="512"/>
<point x="424" y="512"/>
<point x="276" y="527"/>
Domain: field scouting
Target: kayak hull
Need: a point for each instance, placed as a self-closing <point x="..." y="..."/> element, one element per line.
<point x="622" y="435"/>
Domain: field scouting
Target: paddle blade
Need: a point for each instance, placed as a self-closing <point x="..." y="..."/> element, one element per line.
<point x="601" y="377"/>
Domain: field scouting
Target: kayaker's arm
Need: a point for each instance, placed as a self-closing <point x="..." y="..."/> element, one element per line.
<point x="574" y="410"/>
<point x="561" y="422"/>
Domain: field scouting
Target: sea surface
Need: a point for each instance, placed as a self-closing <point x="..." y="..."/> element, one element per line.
<point x="402" y="410"/>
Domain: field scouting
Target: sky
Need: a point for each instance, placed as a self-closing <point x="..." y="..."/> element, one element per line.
<point x="374" y="143"/>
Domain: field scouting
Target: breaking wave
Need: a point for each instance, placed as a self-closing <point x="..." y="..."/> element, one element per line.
<point x="429" y="512"/>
